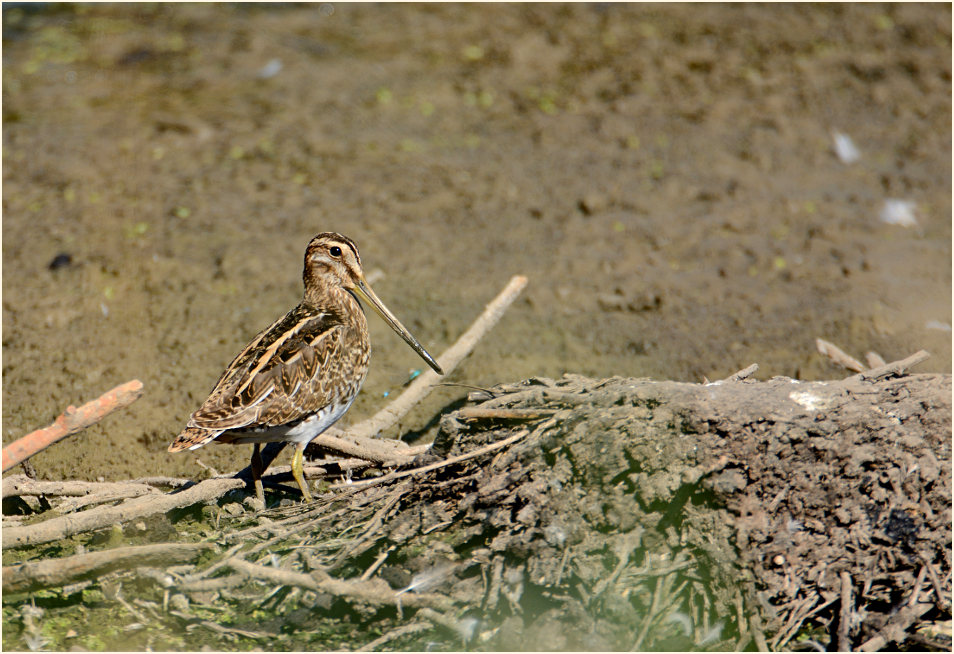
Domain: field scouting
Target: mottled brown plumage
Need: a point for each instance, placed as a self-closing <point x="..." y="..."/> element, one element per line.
<point x="300" y="375"/>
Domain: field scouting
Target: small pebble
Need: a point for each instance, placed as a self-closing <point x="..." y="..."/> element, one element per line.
<point x="593" y="202"/>
<point x="899" y="212"/>
<point x="253" y="503"/>
<point x="233" y="509"/>
<point x="270" y="69"/>
<point x="62" y="260"/>
<point x="845" y="148"/>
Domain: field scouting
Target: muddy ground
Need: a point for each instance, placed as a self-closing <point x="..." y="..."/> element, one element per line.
<point x="665" y="176"/>
<point x="570" y="514"/>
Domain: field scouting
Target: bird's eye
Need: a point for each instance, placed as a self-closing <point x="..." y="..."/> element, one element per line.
<point x="334" y="251"/>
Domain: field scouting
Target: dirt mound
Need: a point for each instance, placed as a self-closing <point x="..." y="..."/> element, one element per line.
<point x="831" y="500"/>
<point x="584" y="514"/>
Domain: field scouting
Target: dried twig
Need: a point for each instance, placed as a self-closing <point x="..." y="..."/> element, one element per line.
<point x="406" y="630"/>
<point x="228" y="631"/>
<point x="874" y="359"/>
<point x="896" y="368"/>
<point x="844" y="616"/>
<point x="77" y="503"/>
<point x="651" y="614"/>
<point x="205" y="585"/>
<point x="34" y="575"/>
<point x="382" y="557"/>
<point x="382" y="451"/>
<point x="434" y="466"/>
<point x="918" y="585"/>
<point x="106" y="516"/>
<point x="375" y="524"/>
<point x="71" y="421"/>
<point x="742" y="374"/>
<point x="894" y="631"/>
<point x="755" y="624"/>
<point x="480" y="413"/>
<point x="375" y="591"/>
<point x="943" y="602"/>
<point x="358" y="440"/>
<point x="838" y="355"/>
<point x="21" y="485"/>
<point x="449" y="360"/>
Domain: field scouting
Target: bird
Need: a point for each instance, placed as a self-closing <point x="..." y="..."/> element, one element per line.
<point x="299" y="375"/>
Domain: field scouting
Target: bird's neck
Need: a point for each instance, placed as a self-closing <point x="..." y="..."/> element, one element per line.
<point x="335" y="300"/>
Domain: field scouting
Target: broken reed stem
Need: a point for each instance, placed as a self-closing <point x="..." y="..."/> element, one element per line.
<point x="71" y="421"/>
<point x="449" y="360"/>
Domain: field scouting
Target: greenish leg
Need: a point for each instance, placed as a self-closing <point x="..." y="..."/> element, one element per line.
<point x="298" y="470"/>
<point x="257" y="471"/>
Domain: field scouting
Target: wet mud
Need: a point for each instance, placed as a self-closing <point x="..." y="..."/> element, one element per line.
<point x="664" y="174"/>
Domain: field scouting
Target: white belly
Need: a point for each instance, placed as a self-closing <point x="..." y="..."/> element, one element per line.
<point x="303" y="432"/>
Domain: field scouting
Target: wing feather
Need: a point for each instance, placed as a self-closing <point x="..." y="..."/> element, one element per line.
<point x="260" y="386"/>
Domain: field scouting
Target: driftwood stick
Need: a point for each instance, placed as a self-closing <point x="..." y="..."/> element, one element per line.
<point x="896" y="368"/>
<point x="49" y="573"/>
<point x="76" y="503"/>
<point x="838" y="355"/>
<point x="428" y="379"/>
<point x="106" y="516"/>
<point x="71" y="421"/>
<point x="21" y="485"/>
<point x="376" y="450"/>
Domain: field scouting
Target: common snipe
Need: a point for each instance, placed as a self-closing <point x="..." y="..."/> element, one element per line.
<point x="300" y="375"/>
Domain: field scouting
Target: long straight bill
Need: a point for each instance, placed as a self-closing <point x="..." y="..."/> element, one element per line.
<point x="365" y="293"/>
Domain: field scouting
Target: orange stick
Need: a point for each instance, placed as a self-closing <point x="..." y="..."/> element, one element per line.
<point x="71" y="421"/>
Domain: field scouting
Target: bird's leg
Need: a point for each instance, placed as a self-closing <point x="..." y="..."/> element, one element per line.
<point x="257" y="469"/>
<point x="298" y="470"/>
